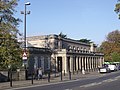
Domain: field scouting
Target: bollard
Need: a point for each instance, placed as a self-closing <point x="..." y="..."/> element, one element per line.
<point x="83" y="71"/>
<point x="73" y="72"/>
<point x="26" y="77"/>
<point x="69" y="75"/>
<point x="10" y="78"/>
<point x="55" y="70"/>
<point x="64" y="72"/>
<point x="61" y="75"/>
<point x="55" y="73"/>
<point x="77" y="71"/>
<point x="48" y="76"/>
<point x="32" y="79"/>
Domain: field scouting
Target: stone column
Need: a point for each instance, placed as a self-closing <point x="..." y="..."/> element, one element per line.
<point x="36" y="62"/>
<point x="56" y="69"/>
<point x="90" y="59"/>
<point x="94" y="62"/>
<point x="87" y="63"/>
<point x="42" y="63"/>
<point x="97" y="62"/>
<point x="91" y="63"/>
<point x="78" y="63"/>
<point x="64" y="64"/>
<point x="84" y="59"/>
<point x="83" y="63"/>
<point x="49" y="63"/>
<point x="101" y="61"/>
<point x="87" y="58"/>
<point x="71" y="64"/>
<point x="77" y="66"/>
<point x="68" y="64"/>
<point x="75" y="63"/>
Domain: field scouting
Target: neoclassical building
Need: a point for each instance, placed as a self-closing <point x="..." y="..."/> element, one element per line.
<point x="67" y="54"/>
<point x="38" y="57"/>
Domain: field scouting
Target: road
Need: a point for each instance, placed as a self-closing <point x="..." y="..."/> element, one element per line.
<point x="109" y="81"/>
<point x="109" y="84"/>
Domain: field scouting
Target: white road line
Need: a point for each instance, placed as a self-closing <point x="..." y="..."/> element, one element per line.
<point x="110" y="80"/>
<point x="93" y="84"/>
<point x="89" y="85"/>
<point x="68" y="89"/>
<point x="117" y="77"/>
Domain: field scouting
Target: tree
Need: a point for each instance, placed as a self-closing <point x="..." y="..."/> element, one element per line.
<point x="111" y="47"/>
<point x="62" y="35"/>
<point x="85" y="41"/>
<point x="115" y="57"/>
<point x="10" y="52"/>
<point x="117" y="8"/>
<point x="114" y="37"/>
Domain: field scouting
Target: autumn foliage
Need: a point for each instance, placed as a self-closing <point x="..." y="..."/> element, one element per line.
<point x="111" y="46"/>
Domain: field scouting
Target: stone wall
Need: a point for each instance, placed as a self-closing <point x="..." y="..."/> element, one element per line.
<point x="4" y="75"/>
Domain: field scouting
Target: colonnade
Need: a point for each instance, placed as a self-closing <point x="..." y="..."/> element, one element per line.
<point x="87" y="63"/>
<point x="79" y="63"/>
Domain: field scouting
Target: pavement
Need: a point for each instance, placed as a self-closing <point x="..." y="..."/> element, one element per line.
<point x="45" y="81"/>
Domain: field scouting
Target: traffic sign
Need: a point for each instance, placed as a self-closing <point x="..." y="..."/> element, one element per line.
<point x="24" y="56"/>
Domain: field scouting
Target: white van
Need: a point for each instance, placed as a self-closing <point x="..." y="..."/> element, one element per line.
<point x="112" y="67"/>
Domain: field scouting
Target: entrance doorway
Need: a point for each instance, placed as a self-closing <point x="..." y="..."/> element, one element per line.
<point x="68" y="63"/>
<point x="59" y="64"/>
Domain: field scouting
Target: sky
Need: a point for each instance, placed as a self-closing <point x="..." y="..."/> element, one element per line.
<point x="78" y="19"/>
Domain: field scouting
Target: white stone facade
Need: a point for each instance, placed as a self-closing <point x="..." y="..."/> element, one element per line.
<point x="68" y="54"/>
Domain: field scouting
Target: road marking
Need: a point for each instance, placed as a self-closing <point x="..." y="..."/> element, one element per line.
<point x="110" y="80"/>
<point x="117" y="77"/>
<point x="89" y="85"/>
<point x="68" y="89"/>
<point x="104" y="81"/>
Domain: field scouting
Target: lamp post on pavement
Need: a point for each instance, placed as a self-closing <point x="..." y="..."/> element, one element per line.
<point x="10" y="74"/>
<point x="25" y="12"/>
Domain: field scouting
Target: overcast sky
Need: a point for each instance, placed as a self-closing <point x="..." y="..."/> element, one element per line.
<point x="78" y="19"/>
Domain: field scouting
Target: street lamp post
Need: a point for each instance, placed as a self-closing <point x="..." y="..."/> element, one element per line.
<point x="25" y="12"/>
<point x="10" y="74"/>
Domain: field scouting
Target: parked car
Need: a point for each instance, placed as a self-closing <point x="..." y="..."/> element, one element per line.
<point x="104" y="69"/>
<point x="112" y="67"/>
<point x="118" y="67"/>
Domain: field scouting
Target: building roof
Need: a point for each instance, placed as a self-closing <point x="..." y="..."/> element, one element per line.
<point x="42" y="37"/>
